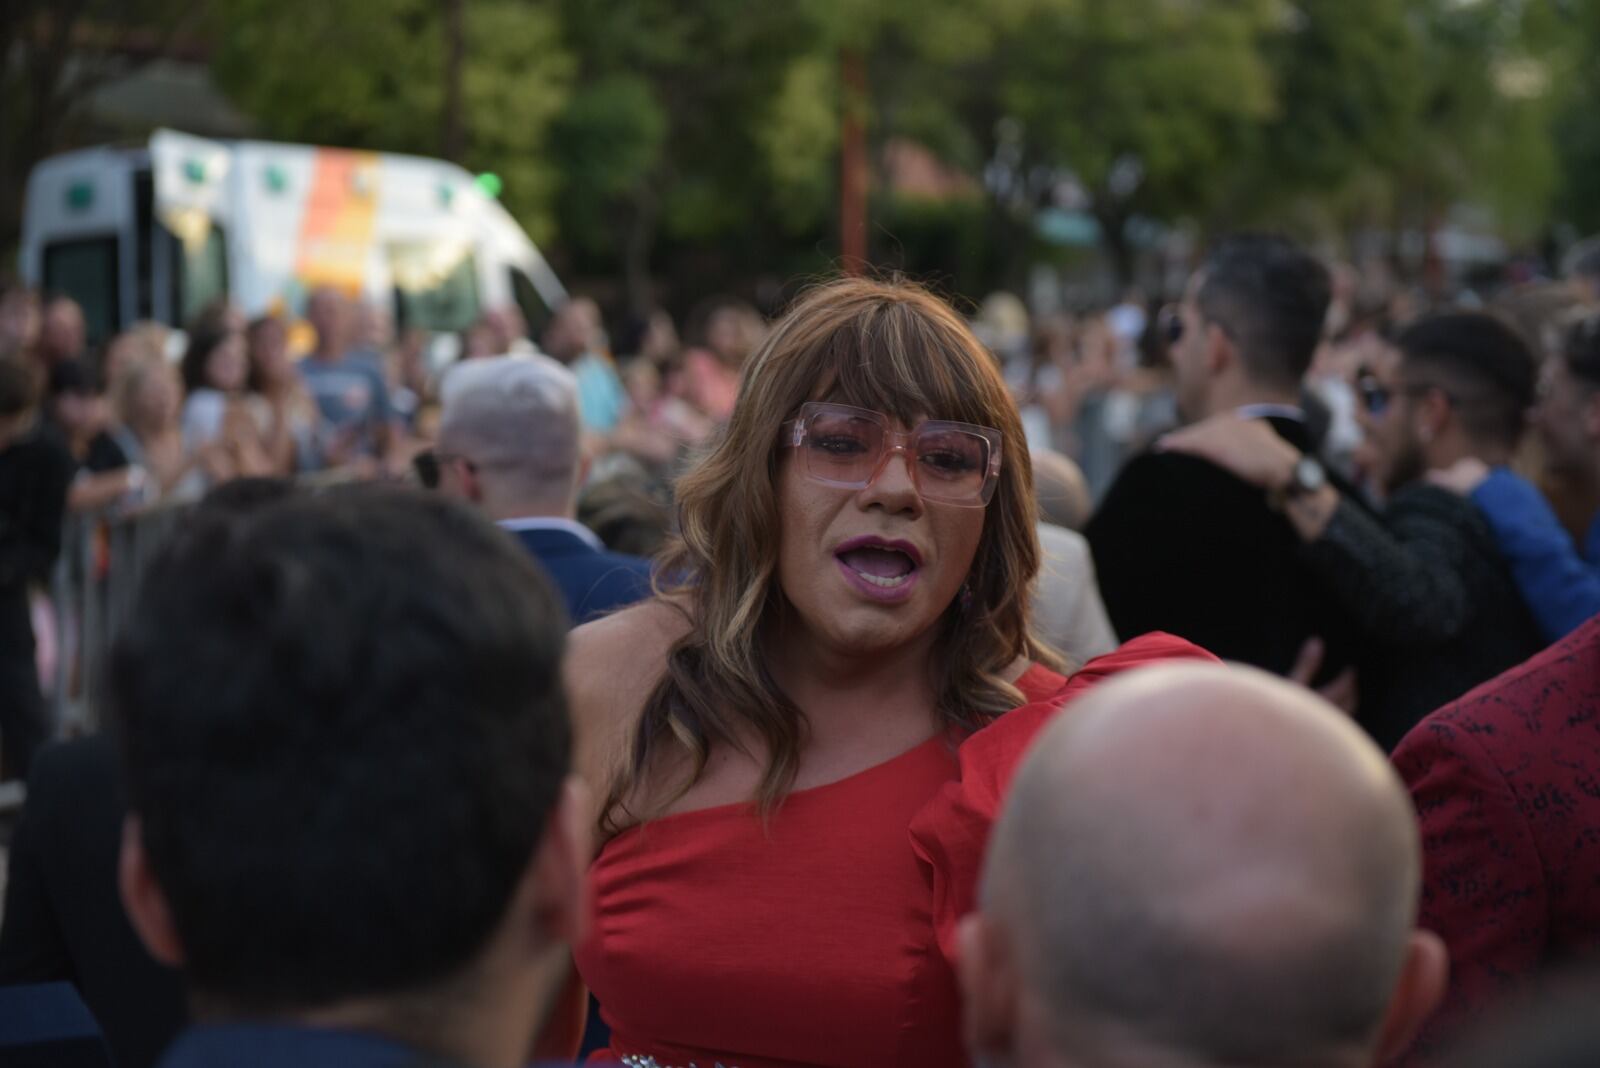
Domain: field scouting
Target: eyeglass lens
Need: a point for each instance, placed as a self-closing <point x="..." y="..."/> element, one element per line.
<point x="949" y="464"/>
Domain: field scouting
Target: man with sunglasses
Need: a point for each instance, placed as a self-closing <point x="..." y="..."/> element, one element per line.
<point x="1431" y="593"/>
<point x="1559" y="580"/>
<point x="509" y="443"/>
<point x="1181" y="544"/>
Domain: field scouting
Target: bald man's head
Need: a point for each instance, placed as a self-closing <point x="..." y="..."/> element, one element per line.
<point x="1203" y="865"/>
<point x="1060" y="489"/>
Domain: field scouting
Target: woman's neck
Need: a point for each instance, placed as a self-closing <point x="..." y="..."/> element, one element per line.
<point x="839" y="690"/>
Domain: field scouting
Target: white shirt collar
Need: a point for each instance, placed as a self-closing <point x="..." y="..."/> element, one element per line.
<point x="554" y="522"/>
<point x="1271" y="411"/>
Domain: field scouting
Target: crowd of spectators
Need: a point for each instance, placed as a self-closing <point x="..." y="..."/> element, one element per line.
<point x="851" y="589"/>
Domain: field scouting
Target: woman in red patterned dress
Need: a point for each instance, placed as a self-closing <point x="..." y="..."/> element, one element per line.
<point x="801" y="746"/>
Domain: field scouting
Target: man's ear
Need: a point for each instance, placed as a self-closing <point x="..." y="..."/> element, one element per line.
<point x="1221" y="352"/>
<point x="143" y="899"/>
<point x="1423" y="979"/>
<point x="989" y="989"/>
<point x="1431" y="412"/>
<point x="471" y="484"/>
<point x="560" y="869"/>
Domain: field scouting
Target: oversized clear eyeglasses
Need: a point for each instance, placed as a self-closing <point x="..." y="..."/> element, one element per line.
<point x="840" y="445"/>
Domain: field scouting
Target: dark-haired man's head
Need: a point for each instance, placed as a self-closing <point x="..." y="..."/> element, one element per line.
<point x="19" y="398"/>
<point x="245" y="496"/>
<point x="1454" y="386"/>
<point x="1156" y="895"/>
<point x="347" y="754"/>
<point x="1249" y="326"/>
<point x="1568" y="411"/>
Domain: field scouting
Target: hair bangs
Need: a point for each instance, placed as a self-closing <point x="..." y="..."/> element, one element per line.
<point x="898" y="362"/>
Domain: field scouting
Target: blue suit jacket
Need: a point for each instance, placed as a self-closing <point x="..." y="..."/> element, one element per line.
<point x="265" y="1045"/>
<point x="287" y="1045"/>
<point x="592" y="580"/>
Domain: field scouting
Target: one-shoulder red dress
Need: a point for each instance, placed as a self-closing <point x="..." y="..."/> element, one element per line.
<point x="824" y="937"/>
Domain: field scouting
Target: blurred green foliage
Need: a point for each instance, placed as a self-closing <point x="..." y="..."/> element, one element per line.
<point x="644" y="139"/>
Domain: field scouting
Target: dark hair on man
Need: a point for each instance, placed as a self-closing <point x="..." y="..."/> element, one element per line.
<point x="206" y="335"/>
<point x="344" y="733"/>
<point x="1581" y="351"/>
<point x="19" y="386"/>
<point x="1271" y="298"/>
<point x="1484" y="366"/>
<point x="241" y="496"/>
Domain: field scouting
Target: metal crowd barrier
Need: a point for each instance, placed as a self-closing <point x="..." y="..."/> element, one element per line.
<point x="103" y="558"/>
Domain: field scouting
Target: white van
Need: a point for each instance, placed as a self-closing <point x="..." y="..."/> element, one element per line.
<point x="159" y="232"/>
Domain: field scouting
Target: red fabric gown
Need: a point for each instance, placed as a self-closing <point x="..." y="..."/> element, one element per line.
<point x="824" y="938"/>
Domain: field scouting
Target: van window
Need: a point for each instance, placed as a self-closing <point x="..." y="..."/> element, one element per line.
<point x="202" y="275"/>
<point x="430" y="298"/>
<point x="85" y="269"/>
<point x="534" y="309"/>
<point x="144" y="244"/>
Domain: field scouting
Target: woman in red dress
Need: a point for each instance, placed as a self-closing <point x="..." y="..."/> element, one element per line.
<point x="802" y="746"/>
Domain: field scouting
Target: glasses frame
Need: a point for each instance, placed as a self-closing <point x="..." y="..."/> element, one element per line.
<point x="793" y="434"/>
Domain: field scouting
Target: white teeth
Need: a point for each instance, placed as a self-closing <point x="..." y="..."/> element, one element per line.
<point x="885" y="582"/>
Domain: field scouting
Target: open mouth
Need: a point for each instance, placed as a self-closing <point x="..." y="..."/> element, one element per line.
<point x="880" y="565"/>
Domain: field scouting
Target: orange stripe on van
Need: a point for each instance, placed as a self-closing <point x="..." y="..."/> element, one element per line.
<point x="336" y="230"/>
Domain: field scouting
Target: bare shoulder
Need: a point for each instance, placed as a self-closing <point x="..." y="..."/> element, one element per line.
<point x="612" y="665"/>
<point x="614" y="650"/>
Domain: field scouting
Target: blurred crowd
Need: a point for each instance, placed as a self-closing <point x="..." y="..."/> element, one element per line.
<point x="156" y="414"/>
<point x="1378" y="506"/>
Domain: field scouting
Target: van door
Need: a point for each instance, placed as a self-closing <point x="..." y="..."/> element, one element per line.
<point x="78" y="235"/>
<point x="191" y="214"/>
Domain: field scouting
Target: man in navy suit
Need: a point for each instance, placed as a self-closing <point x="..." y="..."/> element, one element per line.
<point x="352" y="822"/>
<point x="510" y="443"/>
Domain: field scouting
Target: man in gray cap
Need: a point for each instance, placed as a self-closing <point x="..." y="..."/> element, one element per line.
<point x="509" y="442"/>
<point x="1200" y="866"/>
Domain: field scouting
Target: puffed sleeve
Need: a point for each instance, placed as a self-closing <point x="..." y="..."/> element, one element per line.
<point x="949" y="833"/>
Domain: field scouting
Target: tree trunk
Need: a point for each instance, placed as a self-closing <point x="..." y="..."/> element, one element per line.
<point x="853" y="165"/>
<point x="452" y="133"/>
<point x="639" y="286"/>
<point x="1114" y="240"/>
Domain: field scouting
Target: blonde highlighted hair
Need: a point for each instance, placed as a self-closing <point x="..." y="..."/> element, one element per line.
<point x="891" y="347"/>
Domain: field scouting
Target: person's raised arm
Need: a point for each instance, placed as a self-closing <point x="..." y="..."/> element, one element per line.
<point x="1561" y="589"/>
<point x="1399" y="579"/>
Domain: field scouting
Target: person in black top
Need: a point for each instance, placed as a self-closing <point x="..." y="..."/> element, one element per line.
<point x="63" y="920"/>
<point x="34" y="474"/>
<point x="1436" y="603"/>
<point x="1184" y="546"/>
